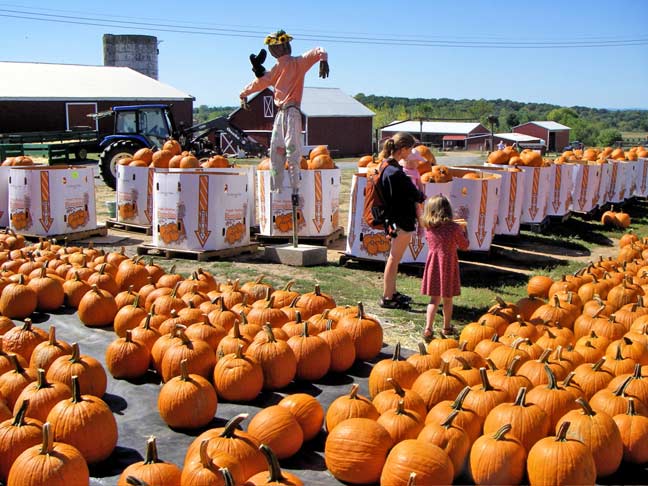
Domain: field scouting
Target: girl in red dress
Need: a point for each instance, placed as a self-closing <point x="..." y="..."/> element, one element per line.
<point x="441" y="274"/>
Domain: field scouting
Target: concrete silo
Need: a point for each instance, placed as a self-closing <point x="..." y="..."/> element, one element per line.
<point x="138" y="52"/>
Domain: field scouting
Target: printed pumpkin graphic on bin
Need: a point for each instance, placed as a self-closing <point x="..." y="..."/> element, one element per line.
<point x="376" y="243"/>
<point x="78" y="217"/>
<point x="127" y="210"/>
<point x="20" y="219"/>
<point x="283" y="221"/>
<point x="234" y="233"/>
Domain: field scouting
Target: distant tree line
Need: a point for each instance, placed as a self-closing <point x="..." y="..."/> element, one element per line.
<point x="592" y="126"/>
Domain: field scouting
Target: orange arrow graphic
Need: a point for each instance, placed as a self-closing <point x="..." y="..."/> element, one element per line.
<point x="557" y="186"/>
<point x="262" y="205"/>
<point x="416" y="244"/>
<point x="354" y="206"/>
<point x="510" y="218"/>
<point x="46" y="219"/>
<point x="582" y="198"/>
<point x="613" y="178"/>
<point x="148" y="212"/>
<point x="318" y="220"/>
<point x="480" y="234"/>
<point x="533" y="209"/>
<point x="597" y="196"/>
<point x="643" y="177"/>
<point x="202" y="233"/>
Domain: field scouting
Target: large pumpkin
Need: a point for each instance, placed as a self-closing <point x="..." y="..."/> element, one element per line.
<point x="428" y="463"/>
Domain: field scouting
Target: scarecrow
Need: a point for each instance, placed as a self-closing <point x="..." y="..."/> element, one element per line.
<point x="287" y="78"/>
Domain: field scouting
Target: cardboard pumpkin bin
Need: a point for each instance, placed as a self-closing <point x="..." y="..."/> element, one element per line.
<point x="536" y="194"/>
<point x="199" y="211"/>
<point x="586" y="180"/>
<point x="511" y="197"/>
<point x="135" y="195"/>
<point x="604" y="186"/>
<point x="560" y="190"/>
<point x="4" y="195"/>
<point x="618" y="190"/>
<point x="641" y="187"/>
<point x="634" y="175"/>
<point x="363" y="241"/>
<point x="249" y="171"/>
<point x="318" y="213"/>
<point x="45" y="200"/>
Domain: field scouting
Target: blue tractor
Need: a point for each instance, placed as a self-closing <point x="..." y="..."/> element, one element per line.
<point x="149" y="126"/>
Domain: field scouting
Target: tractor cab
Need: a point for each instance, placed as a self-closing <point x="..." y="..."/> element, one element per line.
<point x="151" y="124"/>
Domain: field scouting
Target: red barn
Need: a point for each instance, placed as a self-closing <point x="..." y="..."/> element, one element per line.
<point x="329" y="117"/>
<point x="555" y="135"/>
<point x="444" y="135"/>
<point x="57" y="97"/>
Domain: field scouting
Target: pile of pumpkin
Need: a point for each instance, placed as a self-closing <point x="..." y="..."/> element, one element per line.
<point x="596" y="155"/>
<point x="552" y="389"/>
<point x="171" y="156"/>
<point x="616" y="219"/>
<point x="318" y="159"/>
<point x="206" y="340"/>
<point x="510" y="156"/>
<point x="20" y="160"/>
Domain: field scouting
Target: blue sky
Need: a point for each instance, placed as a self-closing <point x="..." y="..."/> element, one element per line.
<point x="214" y="68"/>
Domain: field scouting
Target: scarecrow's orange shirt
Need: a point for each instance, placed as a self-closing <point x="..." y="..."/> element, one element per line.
<point x="287" y="77"/>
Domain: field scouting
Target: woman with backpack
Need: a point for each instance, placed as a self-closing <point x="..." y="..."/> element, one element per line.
<point x="400" y="199"/>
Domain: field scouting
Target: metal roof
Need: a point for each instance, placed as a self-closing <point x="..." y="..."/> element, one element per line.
<point x="548" y="125"/>
<point x="454" y="137"/>
<point x="22" y="81"/>
<point x="323" y="102"/>
<point x="455" y="128"/>
<point x="517" y="137"/>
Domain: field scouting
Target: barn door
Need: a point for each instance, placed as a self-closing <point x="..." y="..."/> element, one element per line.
<point x="227" y="144"/>
<point x="76" y="116"/>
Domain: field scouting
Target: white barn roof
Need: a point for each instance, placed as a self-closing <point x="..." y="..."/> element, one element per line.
<point x="45" y="82"/>
<point x="458" y="128"/>
<point x="517" y="137"/>
<point x="548" y="125"/>
<point x="324" y="102"/>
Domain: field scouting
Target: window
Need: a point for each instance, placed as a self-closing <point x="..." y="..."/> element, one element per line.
<point x="268" y="107"/>
<point x="126" y="122"/>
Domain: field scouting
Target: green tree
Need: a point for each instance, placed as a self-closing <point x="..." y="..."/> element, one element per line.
<point x="608" y="136"/>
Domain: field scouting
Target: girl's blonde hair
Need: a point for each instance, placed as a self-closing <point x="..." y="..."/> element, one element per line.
<point x="437" y="210"/>
<point x="397" y="142"/>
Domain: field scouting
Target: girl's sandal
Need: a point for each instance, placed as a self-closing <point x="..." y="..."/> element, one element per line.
<point x="428" y="335"/>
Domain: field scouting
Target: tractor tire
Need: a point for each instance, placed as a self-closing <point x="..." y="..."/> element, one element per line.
<point x="111" y="155"/>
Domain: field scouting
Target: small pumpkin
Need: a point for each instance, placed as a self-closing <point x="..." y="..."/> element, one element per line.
<point x="151" y="470"/>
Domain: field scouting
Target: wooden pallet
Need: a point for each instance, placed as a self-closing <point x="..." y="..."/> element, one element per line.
<point x="325" y="240"/>
<point x="146" y="229"/>
<point x="560" y="219"/>
<point x="536" y="227"/>
<point x="200" y="255"/>
<point x="100" y="230"/>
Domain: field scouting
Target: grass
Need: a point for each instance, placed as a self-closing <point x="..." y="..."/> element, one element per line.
<point x="565" y="249"/>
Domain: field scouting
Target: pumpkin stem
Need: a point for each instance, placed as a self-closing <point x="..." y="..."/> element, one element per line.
<point x="236" y="330"/>
<point x="544" y="357"/>
<point x="147" y="322"/>
<point x="19" y="418"/>
<point x="353" y="394"/>
<point x="486" y="386"/>
<point x="458" y="403"/>
<point x="184" y="371"/>
<point x="584" y="404"/>
<point x="631" y="407"/>
<point x="502" y="431"/>
<point x="561" y="436"/>
<point x="400" y="408"/>
<point x="205" y="460"/>
<point x="305" y="331"/>
<point x="396" y="356"/>
<point x="465" y="365"/>
<point x="52" y="336"/>
<point x="396" y="386"/>
<point x="151" y="451"/>
<point x="268" y="330"/>
<point x="230" y="427"/>
<point x="275" y="476"/>
<point x="329" y="327"/>
<point x="619" y="355"/>
<point x="637" y="372"/>
<point x="133" y="481"/>
<point x="552" y="385"/>
<point x="568" y="379"/>
<point x="17" y="367"/>
<point x="129" y="336"/>
<point x="76" y="390"/>
<point x="239" y="351"/>
<point x="620" y="391"/>
<point x="491" y="364"/>
<point x="48" y="439"/>
<point x="597" y="366"/>
<point x="447" y="423"/>
<point x="521" y="397"/>
<point x="513" y="366"/>
<point x="298" y="317"/>
<point x="42" y="380"/>
<point x="27" y="325"/>
<point x="412" y="479"/>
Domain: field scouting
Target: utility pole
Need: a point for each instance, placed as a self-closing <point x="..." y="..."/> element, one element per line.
<point x="492" y="119"/>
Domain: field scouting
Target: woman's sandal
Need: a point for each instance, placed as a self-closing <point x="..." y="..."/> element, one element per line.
<point x="428" y="335"/>
<point x="452" y="331"/>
